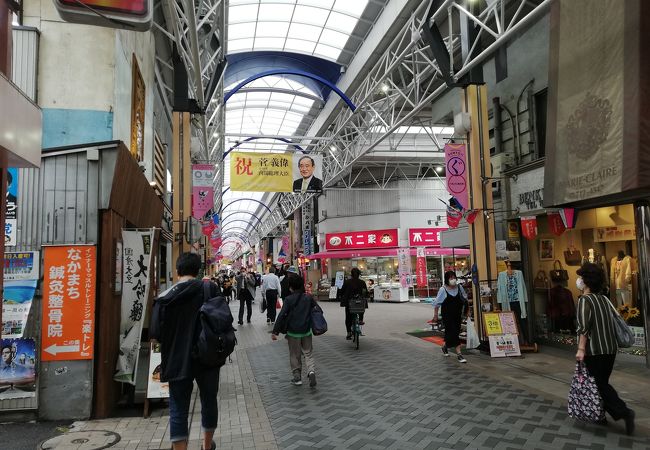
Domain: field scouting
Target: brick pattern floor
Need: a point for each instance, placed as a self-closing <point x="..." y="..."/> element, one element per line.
<point x="397" y="392"/>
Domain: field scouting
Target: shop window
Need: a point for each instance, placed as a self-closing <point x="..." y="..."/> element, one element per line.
<point x="541" y="101"/>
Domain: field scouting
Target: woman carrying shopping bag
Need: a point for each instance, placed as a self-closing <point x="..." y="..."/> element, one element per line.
<point x="597" y="345"/>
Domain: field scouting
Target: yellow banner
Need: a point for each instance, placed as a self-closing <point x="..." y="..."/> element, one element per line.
<point x="261" y="172"/>
<point x="492" y="324"/>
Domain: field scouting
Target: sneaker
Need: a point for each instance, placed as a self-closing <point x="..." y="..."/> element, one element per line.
<point x="269" y="320"/>
<point x="240" y="322"/>
<point x="312" y="379"/>
<point x="362" y="323"/>
<point x="349" y="337"/>
<point x="296" y="381"/>
<point x="629" y="423"/>
<point x="445" y="352"/>
<point x="461" y="359"/>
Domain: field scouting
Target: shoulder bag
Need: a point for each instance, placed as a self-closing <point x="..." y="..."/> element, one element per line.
<point x="318" y="322"/>
<point x="541" y="281"/>
<point x="624" y="334"/>
<point x="572" y="256"/>
<point x="585" y="402"/>
<point x="558" y="274"/>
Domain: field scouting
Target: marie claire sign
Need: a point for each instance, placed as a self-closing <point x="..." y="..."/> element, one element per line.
<point x="362" y="239"/>
<point x="527" y="193"/>
<point x="425" y="237"/>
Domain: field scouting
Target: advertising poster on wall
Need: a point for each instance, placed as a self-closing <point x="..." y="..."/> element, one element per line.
<point x="276" y="172"/>
<point x="135" y="293"/>
<point x="18" y="369"/>
<point x="403" y="266"/>
<point x="17" y="299"/>
<point x="69" y="277"/>
<point x="156" y="388"/>
<point x="21" y="266"/>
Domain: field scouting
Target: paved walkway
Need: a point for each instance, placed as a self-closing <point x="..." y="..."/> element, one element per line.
<point x="397" y="392"/>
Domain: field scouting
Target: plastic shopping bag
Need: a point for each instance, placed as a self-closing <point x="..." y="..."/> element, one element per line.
<point x="584" y="403"/>
<point x="472" y="337"/>
<point x="279" y="303"/>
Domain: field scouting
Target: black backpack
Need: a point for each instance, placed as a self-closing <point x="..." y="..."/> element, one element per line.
<point x="215" y="339"/>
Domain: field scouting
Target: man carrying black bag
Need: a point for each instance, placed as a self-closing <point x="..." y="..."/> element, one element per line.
<point x="173" y="311"/>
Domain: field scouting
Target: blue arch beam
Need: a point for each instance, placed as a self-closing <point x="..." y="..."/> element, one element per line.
<point x="299" y="148"/>
<point x="300" y="73"/>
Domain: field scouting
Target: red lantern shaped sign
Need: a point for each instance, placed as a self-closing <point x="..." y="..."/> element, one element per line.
<point x="555" y="224"/>
<point x="529" y="227"/>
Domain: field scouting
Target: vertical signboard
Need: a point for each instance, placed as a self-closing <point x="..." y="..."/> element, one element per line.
<point x="155" y="387"/>
<point x="308" y="227"/>
<point x="135" y="292"/>
<point x="69" y="277"/>
<point x="421" y="269"/>
<point x="456" y="164"/>
<point x="11" y="207"/>
<point x="202" y="189"/>
<point x="404" y="266"/>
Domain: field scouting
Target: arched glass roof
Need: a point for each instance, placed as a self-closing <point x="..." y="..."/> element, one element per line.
<point x="315" y="27"/>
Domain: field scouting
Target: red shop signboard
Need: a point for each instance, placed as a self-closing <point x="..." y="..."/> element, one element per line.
<point x="362" y="239"/>
<point x="425" y="237"/>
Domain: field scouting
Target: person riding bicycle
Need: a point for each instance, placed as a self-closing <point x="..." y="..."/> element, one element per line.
<point x="352" y="288"/>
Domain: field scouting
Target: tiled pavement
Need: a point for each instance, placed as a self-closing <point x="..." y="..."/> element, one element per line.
<point x="397" y="392"/>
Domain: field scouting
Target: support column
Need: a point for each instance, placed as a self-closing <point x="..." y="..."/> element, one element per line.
<point x="482" y="237"/>
<point x="181" y="182"/>
<point x="642" y="219"/>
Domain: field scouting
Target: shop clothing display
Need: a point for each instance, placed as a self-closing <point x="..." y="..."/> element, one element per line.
<point x="560" y="309"/>
<point x="620" y="278"/>
<point x="512" y="289"/>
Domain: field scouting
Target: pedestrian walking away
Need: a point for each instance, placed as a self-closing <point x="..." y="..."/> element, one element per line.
<point x="354" y="287"/>
<point x="597" y="345"/>
<point x="452" y="299"/>
<point x="246" y="296"/>
<point x="270" y="290"/>
<point x="173" y="311"/>
<point x="294" y="321"/>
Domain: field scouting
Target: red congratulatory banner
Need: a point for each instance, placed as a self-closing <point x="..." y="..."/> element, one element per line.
<point x="352" y="240"/>
<point x="68" y="329"/>
<point x="425" y="237"/>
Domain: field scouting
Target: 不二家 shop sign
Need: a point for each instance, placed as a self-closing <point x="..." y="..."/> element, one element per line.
<point x="362" y="239"/>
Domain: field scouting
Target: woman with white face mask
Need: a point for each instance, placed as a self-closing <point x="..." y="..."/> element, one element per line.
<point x="597" y="345"/>
<point x="452" y="298"/>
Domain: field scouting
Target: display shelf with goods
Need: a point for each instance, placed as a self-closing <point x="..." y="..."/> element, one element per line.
<point x="603" y="236"/>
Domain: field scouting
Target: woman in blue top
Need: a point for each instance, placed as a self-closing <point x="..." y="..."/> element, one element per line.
<point x="453" y="299"/>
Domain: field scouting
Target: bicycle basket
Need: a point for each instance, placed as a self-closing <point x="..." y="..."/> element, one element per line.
<point x="357" y="305"/>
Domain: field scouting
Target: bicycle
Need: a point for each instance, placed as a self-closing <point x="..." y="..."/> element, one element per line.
<point x="357" y="307"/>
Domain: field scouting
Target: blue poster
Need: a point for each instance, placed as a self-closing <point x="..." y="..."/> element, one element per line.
<point x="17" y="299"/>
<point x="12" y="192"/>
<point x="18" y="368"/>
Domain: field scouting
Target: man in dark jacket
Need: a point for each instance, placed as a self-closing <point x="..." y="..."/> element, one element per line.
<point x="351" y="288"/>
<point x="294" y="320"/>
<point x="173" y="320"/>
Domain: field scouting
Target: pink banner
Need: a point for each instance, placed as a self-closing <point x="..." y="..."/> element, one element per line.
<point x="421" y="267"/>
<point x="456" y="166"/>
<point x="202" y="189"/>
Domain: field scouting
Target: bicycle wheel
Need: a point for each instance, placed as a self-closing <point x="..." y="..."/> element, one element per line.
<point x="357" y="330"/>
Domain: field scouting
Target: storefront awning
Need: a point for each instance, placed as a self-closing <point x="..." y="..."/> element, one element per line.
<point x="385" y="252"/>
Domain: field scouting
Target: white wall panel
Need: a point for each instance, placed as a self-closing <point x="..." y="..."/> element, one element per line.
<point x="25" y="60"/>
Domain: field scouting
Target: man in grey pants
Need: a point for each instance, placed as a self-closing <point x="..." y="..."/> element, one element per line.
<point x="294" y="320"/>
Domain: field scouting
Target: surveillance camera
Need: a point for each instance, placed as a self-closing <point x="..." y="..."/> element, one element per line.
<point x="143" y="166"/>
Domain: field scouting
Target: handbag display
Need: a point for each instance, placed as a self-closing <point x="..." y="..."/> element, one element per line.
<point x="559" y="274"/>
<point x="572" y="256"/>
<point x="585" y="402"/>
<point x="624" y="334"/>
<point x="540" y="281"/>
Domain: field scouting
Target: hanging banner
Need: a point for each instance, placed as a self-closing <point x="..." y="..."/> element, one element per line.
<point x="135" y="293"/>
<point x="207" y="228"/>
<point x="280" y="249"/>
<point x="568" y="217"/>
<point x="69" y="277"/>
<point x="421" y="269"/>
<point x="11" y="207"/>
<point x="156" y="388"/>
<point x="276" y="172"/>
<point x="202" y="189"/>
<point x="453" y="217"/>
<point x="18" y="369"/>
<point x="555" y="224"/>
<point x="529" y="227"/>
<point x="17" y="299"/>
<point x="404" y="266"/>
<point x="456" y="164"/>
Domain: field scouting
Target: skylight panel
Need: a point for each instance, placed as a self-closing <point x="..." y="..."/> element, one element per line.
<point x="326" y="4"/>
<point x="300" y="46"/>
<point x="354" y="8"/>
<point x="341" y="22"/>
<point x="241" y="30"/>
<point x="333" y="38"/>
<point x="237" y="45"/>
<point x="311" y="16"/>
<point x="272" y="29"/>
<point x="327" y="52"/>
<point x="267" y="43"/>
<point x="304" y="32"/>
<point x="242" y="13"/>
<point x="276" y="13"/>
